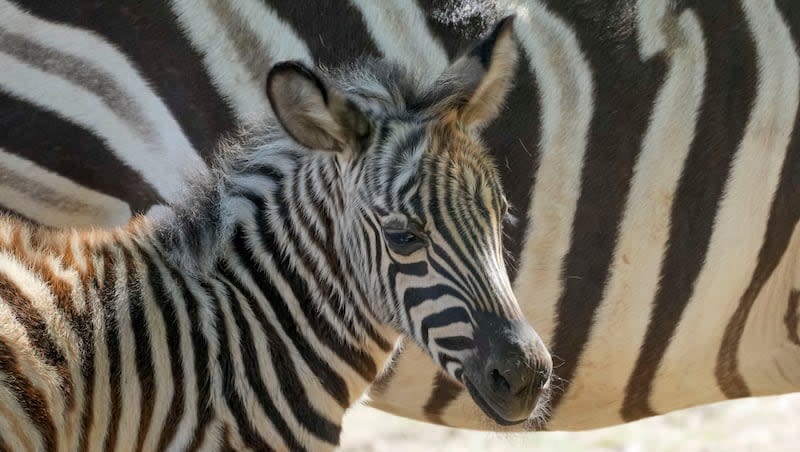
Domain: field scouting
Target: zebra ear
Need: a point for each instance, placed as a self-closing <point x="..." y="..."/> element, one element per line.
<point x="312" y="113"/>
<point x="475" y="85"/>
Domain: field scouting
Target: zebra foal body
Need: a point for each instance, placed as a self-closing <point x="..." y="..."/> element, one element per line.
<point x="650" y="151"/>
<point x="253" y="313"/>
<point x="107" y="345"/>
<point x="72" y="302"/>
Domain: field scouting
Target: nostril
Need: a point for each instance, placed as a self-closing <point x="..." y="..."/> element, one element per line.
<point x="499" y="382"/>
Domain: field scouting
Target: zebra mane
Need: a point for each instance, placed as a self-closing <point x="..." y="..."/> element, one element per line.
<point x="194" y="228"/>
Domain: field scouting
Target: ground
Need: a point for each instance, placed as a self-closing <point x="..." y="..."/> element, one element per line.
<point x="763" y="425"/>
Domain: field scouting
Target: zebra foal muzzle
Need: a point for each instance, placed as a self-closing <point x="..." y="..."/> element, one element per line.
<point x="510" y="371"/>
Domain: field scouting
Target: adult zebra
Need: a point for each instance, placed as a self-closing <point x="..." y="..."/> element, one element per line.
<point x="650" y="149"/>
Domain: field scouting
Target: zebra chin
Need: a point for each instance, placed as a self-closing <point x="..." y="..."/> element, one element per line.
<point x="509" y="374"/>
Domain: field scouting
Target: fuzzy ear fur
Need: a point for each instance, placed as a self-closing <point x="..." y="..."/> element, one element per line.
<point x="475" y="86"/>
<point x="314" y="114"/>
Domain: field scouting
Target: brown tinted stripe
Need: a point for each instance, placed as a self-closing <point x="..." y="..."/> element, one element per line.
<point x="62" y="292"/>
<point x="84" y="327"/>
<point x="87" y="273"/>
<point x="625" y="88"/>
<point x="444" y="392"/>
<point x="28" y="396"/>
<point x="68" y="257"/>
<point x="109" y="310"/>
<point x="64" y="148"/>
<point x="36" y="329"/>
<point x="720" y="126"/>
<point x="18" y="242"/>
<point x="142" y="347"/>
<point x="783" y="218"/>
<point x="147" y="32"/>
<point x="333" y="30"/>
<point x="59" y="287"/>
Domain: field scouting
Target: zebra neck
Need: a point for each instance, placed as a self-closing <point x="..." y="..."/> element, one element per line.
<point x="285" y="337"/>
<point x="264" y="237"/>
<point x="322" y="348"/>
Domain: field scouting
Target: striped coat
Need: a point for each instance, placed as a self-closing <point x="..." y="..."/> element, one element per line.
<point x="252" y="313"/>
<point x="648" y="148"/>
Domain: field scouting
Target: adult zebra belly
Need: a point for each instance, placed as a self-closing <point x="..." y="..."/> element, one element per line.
<point x="650" y="155"/>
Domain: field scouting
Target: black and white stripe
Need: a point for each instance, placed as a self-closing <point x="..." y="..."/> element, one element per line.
<point x="252" y="313"/>
<point x="648" y="150"/>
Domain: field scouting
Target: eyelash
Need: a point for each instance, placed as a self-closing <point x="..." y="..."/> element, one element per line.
<point x="405" y="241"/>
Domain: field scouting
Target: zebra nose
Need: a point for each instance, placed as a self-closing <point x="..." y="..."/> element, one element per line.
<point x="510" y="370"/>
<point x="514" y="375"/>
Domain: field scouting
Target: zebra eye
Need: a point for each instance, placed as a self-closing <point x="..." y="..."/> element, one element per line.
<point x="402" y="241"/>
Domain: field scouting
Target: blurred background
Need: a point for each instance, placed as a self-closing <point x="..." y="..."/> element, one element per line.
<point x="768" y="424"/>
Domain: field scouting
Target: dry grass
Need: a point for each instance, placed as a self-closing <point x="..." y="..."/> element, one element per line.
<point x="764" y="425"/>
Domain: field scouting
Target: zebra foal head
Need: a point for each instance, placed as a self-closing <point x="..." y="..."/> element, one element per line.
<point x="422" y="210"/>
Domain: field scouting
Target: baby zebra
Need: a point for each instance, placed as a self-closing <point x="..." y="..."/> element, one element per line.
<point x="252" y="315"/>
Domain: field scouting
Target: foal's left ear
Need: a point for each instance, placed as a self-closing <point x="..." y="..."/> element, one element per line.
<point x="315" y="114"/>
<point x="475" y="86"/>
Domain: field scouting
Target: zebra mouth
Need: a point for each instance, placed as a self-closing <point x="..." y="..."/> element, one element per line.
<point x="486" y="407"/>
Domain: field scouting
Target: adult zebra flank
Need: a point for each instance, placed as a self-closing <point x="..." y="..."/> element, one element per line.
<point x="649" y="151"/>
<point x="254" y="312"/>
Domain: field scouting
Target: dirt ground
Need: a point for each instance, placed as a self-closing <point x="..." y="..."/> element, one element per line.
<point x="764" y="425"/>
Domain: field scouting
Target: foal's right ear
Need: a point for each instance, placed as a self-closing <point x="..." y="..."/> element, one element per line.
<point x="314" y="114"/>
